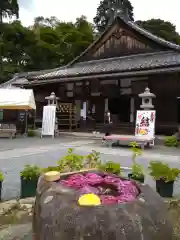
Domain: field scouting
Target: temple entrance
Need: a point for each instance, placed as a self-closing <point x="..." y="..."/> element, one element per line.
<point x="120" y="107"/>
<point x="66" y="116"/>
<point x="96" y="109"/>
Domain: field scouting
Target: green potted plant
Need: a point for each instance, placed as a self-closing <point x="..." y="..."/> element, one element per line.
<point x="111" y="167"/>
<point x="71" y="162"/>
<point x="164" y="177"/>
<point x="29" y="179"/>
<point x="137" y="172"/>
<point x="51" y="168"/>
<point x="1" y="181"/>
<point x="92" y="160"/>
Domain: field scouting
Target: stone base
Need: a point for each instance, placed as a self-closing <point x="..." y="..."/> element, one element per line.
<point x="57" y="215"/>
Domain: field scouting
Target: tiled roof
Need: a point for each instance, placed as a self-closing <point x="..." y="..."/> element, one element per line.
<point x="138" y="29"/>
<point x="16" y="79"/>
<point x="121" y="64"/>
<point x="116" y="64"/>
<point x="154" y="38"/>
<point x="22" y="78"/>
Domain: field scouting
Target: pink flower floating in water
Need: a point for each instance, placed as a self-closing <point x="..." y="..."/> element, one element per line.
<point x="88" y="189"/>
<point x="110" y="189"/>
<point x="94" y="179"/>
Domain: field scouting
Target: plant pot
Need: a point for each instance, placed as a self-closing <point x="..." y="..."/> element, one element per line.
<point x="165" y="189"/>
<point x="28" y="187"/>
<point x="139" y="179"/>
<point x="1" y="190"/>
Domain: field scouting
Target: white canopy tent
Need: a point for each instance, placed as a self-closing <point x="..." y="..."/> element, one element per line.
<point x="17" y="99"/>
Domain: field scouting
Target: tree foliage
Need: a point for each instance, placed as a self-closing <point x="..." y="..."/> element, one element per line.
<point x="107" y="10"/>
<point x="161" y="28"/>
<point x="8" y="8"/>
<point x="49" y="43"/>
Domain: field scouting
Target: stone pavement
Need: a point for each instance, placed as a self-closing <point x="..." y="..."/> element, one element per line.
<point x="17" y="232"/>
<point x="33" y="150"/>
<point x="45" y="152"/>
<point x="13" y="160"/>
<point x="25" y="142"/>
<point x="14" y="154"/>
<point x="94" y="135"/>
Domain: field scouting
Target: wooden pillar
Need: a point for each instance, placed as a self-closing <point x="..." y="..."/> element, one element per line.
<point x="106" y="103"/>
<point x="132" y="109"/>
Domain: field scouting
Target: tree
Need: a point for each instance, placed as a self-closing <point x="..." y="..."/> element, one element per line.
<point x="161" y="28"/>
<point x="8" y="8"/>
<point x="107" y="10"/>
<point x="85" y="31"/>
<point x="47" y="44"/>
<point x="75" y="38"/>
<point x="16" y="41"/>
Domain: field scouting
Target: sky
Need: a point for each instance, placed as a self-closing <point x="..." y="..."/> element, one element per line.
<point x="69" y="10"/>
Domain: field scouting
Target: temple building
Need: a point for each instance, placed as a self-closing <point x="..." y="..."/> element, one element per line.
<point x="111" y="73"/>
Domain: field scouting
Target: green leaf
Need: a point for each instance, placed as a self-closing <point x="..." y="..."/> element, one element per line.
<point x="160" y="170"/>
<point x="31" y="172"/>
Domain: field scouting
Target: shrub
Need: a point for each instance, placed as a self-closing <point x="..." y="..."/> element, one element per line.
<point x="31" y="133"/>
<point x="160" y="170"/>
<point x="51" y="168"/>
<point x="74" y="162"/>
<point x="31" y="172"/>
<point x="137" y="170"/>
<point x="171" y="141"/>
<point x="71" y="162"/>
<point x="136" y="150"/>
<point x="111" y="167"/>
<point x="92" y="160"/>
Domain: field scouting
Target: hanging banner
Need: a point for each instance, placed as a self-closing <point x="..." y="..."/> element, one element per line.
<point x="84" y="110"/>
<point x="48" y="123"/>
<point x="145" y="123"/>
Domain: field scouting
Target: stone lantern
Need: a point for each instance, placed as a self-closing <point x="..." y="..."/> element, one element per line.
<point x="52" y="99"/>
<point x="147" y="97"/>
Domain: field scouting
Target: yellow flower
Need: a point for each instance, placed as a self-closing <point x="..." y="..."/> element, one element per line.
<point x="89" y="199"/>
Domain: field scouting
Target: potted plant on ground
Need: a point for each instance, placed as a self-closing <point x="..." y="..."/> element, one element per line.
<point x="111" y="167"/>
<point x="51" y="168"/>
<point x="1" y="181"/>
<point x="29" y="179"/>
<point x="71" y="162"/>
<point x="164" y="177"/>
<point x="92" y="160"/>
<point x="137" y="172"/>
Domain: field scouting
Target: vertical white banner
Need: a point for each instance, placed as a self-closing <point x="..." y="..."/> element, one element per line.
<point x="49" y="118"/>
<point x="84" y="110"/>
<point x="145" y="123"/>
